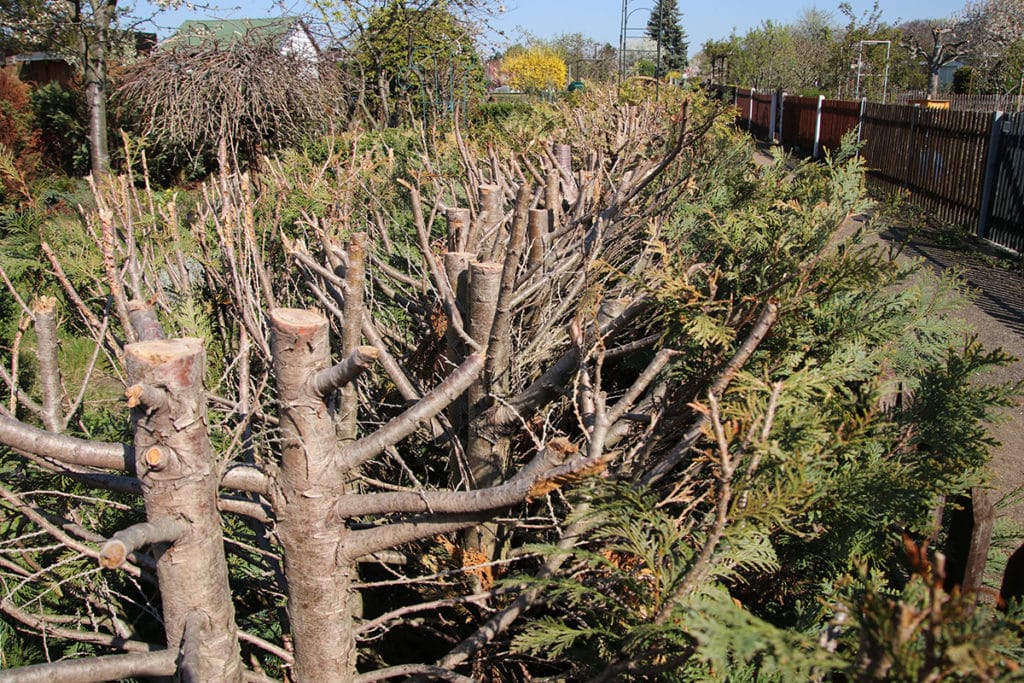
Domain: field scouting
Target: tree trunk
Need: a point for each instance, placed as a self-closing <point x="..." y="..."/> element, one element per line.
<point x="310" y="483"/>
<point x="177" y="468"/>
<point x="933" y="80"/>
<point x="95" y="40"/>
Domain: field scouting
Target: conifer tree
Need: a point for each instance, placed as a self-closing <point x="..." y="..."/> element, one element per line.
<point x="664" y="27"/>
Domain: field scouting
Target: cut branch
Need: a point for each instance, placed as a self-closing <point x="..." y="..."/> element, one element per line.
<point x="161" y="530"/>
<point x="345" y="372"/>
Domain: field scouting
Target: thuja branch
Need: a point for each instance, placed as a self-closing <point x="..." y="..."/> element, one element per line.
<point x="757" y="334"/>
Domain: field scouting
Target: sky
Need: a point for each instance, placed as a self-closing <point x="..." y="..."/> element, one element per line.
<point x="601" y="19"/>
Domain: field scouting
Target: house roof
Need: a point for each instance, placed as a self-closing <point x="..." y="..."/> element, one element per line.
<point x="195" y="32"/>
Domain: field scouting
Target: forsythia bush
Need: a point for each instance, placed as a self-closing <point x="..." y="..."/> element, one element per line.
<point x="534" y="69"/>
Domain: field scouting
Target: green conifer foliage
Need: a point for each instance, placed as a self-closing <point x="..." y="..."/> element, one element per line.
<point x="853" y="422"/>
<point x="664" y="27"/>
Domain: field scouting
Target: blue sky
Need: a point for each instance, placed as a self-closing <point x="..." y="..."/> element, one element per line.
<point x="600" y="19"/>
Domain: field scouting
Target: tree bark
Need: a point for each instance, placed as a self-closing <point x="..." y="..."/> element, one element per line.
<point x="309" y="486"/>
<point x="94" y="35"/>
<point x="351" y="335"/>
<point x="182" y="484"/>
<point x="49" y="369"/>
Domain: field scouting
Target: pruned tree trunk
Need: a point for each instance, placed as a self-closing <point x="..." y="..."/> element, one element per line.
<point x="309" y="486"/>
<point x="180" y="478"/>
<point x="355" y="276"/>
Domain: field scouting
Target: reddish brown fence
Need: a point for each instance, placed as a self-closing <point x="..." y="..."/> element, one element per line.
<point x="965" y="167"/>
<point x="939" y="156"/>
<point x="838" y="117"/>
<point x="799" y="122"/>
<point x="743" y="97"/>
<point x="761" y="119"/>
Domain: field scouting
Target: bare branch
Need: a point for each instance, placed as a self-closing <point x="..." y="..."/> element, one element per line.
<point x="542" y="470"/>
<point x="159" y="663"/>
<point x="405" y="424"/>
<point x="161" y="530"/>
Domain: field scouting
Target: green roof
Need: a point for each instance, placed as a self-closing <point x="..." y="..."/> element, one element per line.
<point x="195" y="33"/>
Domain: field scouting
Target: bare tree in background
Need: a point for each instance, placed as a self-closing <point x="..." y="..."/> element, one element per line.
<point x="934" y="44"/>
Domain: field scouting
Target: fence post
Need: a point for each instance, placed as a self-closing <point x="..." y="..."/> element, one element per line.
<point x="988" y="186"/>
<point x="782" y="116"/>
<point x="771" y="117"/>
<point x="750" y="114"/>
<point x="860" y="117"/>
<point x="817" y="128"/>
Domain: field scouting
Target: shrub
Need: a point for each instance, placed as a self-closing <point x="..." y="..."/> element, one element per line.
<point x="60" y="113"/>
<point x="19" y="140"/>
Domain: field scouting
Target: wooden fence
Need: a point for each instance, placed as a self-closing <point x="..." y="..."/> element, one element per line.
<point x="800" y="123"/>
<point x="838" y="117"/>
<point x="761" y="119"/>
<point x="985" y="103"/>
<point x="1003" y="215"/>
<point x="939" y="156"/>
<point x="965" y="167"/>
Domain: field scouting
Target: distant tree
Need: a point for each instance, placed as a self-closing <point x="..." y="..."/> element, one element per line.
<point x="996" y="31"/>
<point x="585" y="57"/>
<point x="412" y="52"/>
<point x="85" y="32"/>
<point x="716" y="54"/>
<point x="664" y="27"/>
<point x="963" y="80"/>
<point x="934" y="44"/>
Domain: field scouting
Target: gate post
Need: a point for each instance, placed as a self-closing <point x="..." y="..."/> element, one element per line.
<point x="817" y="128"/>
<point x="782" y="117"/>
<point x="771" y="117"/>
<point x="988" y="188"/>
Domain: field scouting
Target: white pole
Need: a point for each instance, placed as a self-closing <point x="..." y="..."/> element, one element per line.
<point x="817" y="128"/>
<point x="750" y="114"/>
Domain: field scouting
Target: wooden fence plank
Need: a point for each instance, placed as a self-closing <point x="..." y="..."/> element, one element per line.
<point x="837" y="118"/>
<point x="761" y="119"/>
